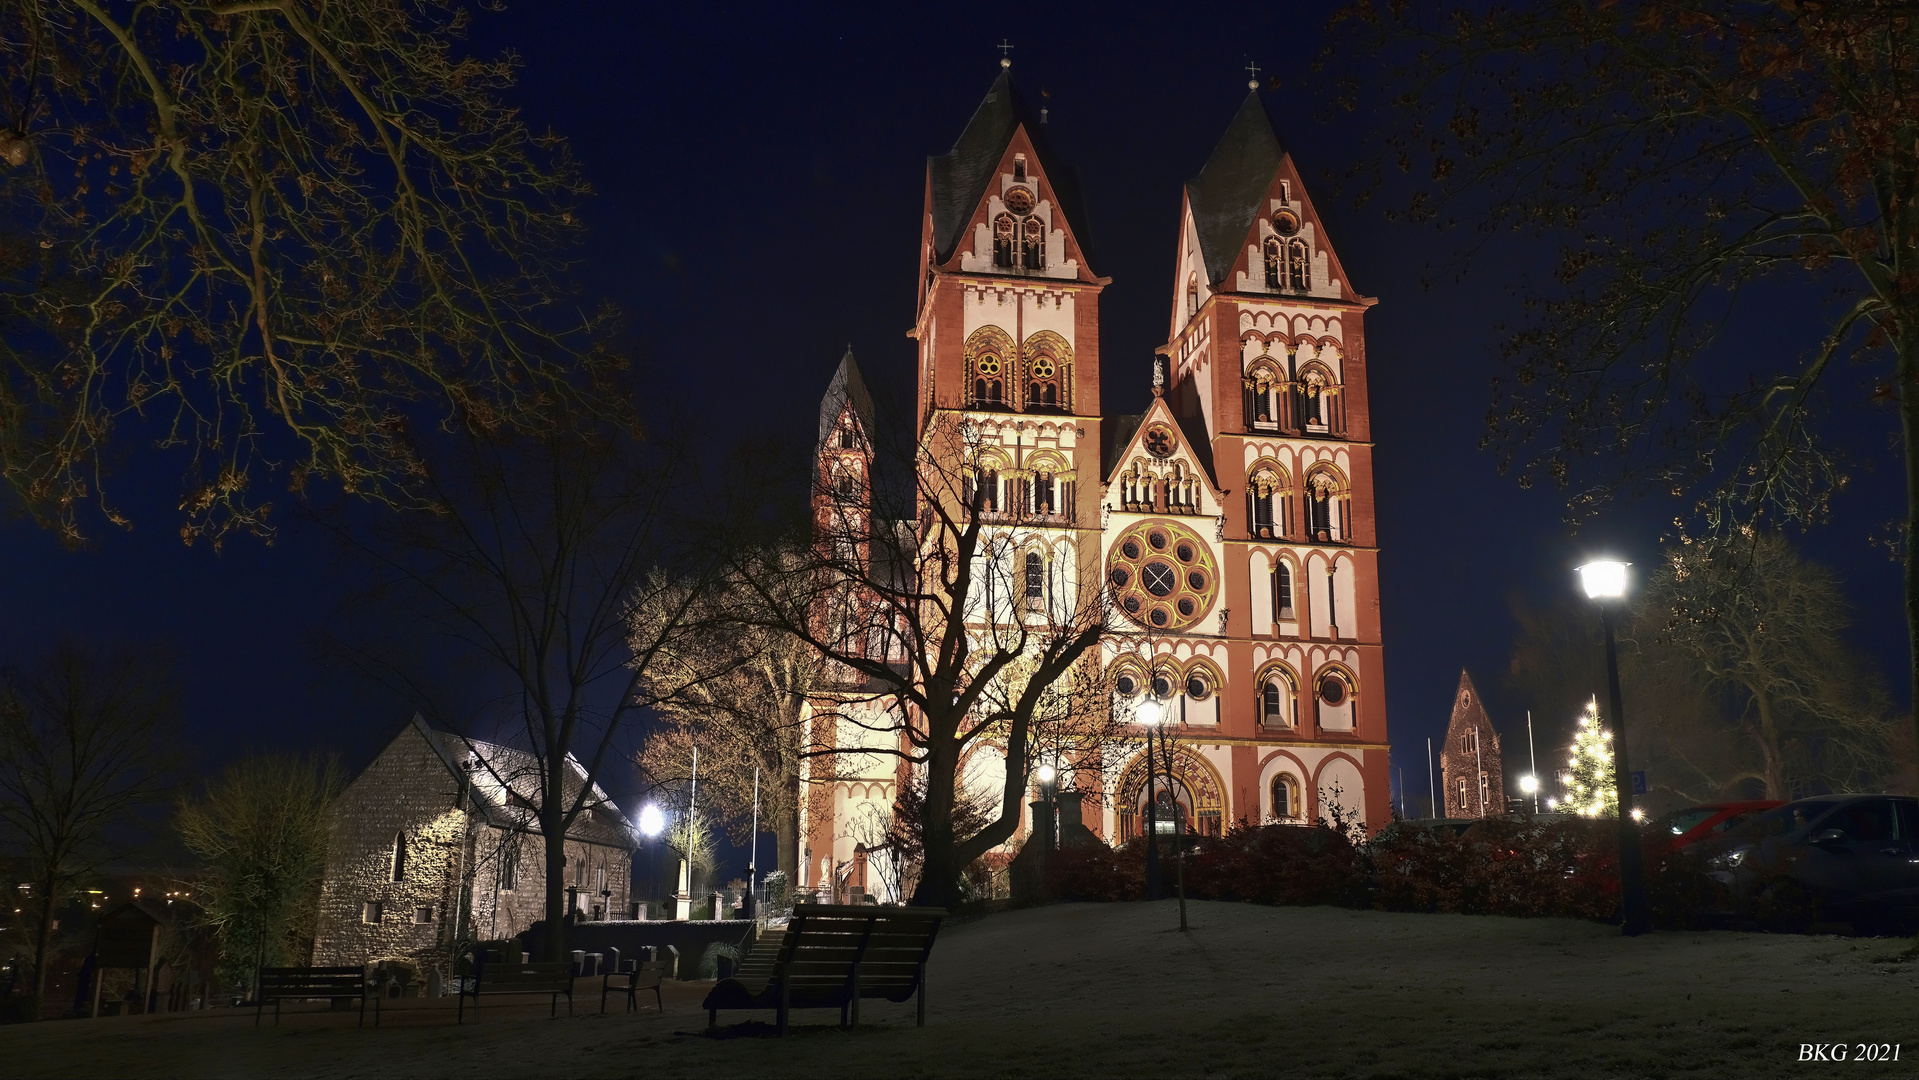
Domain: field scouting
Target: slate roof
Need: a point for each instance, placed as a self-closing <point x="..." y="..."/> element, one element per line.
<point x="1469" y="711"/>
<point x="1115" y="436"/>
<point x="961" y="175"/>
<point x="508" y="779"/>
<point x="847" y="385"/>
<point x="1226" y="194"/>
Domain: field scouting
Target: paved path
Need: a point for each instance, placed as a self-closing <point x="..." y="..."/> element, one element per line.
<point x="1114" y="990"/>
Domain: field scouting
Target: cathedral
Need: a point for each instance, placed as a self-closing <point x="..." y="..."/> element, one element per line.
<point x="1229" y="529"/>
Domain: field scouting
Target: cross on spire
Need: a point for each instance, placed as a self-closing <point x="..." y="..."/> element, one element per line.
<point x="1252" y="75"/>
<point x="1005" y="47"/>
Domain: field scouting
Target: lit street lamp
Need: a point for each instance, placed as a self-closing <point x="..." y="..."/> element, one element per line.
<point x="1148" y="715"/>
<point x="1605" y="583"/>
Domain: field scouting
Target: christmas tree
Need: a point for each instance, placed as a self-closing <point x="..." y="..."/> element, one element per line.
<point x="1589" y="785"/>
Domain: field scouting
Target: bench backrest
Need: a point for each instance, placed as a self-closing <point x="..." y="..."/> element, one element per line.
<point x="649" y="975"/>
<point x="824" y="941"/>
<point x="284" y="980"/>
<point x="499" y="976"/>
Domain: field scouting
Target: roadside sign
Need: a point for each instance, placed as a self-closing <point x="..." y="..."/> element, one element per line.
<point x="1639" y="782"/>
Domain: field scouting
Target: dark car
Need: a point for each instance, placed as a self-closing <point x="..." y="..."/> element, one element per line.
<point x="1695" y="823"/>
<point x="1851" y="859"/>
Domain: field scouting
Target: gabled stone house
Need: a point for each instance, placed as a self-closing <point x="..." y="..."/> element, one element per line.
<point x="1472" y="776"/>
<point x="436" y="840"/>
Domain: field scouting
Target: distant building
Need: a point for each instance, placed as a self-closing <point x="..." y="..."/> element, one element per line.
<point x="437" y="840"/>
<point x="1471" y="780"/>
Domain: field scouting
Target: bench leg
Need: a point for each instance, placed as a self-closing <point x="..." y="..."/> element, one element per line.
<point x="920" y="994"/>
<point x="856" y="995"/>
<point x="657" y="999"/>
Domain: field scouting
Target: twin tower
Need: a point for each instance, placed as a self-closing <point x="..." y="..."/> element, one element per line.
<point x="1232" y="522"/>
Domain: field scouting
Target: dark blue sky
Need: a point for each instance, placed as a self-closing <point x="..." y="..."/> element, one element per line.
<point x="759" y="180"/>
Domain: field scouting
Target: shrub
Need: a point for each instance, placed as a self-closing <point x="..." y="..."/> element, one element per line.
<point x="1278" y="864"/>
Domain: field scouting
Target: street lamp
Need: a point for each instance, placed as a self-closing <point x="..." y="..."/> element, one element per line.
<point x="1148" y="715"/>
<point x="1046" y="775"/>
<point x="652" y="822"/>
<point x="1605" y="583"/>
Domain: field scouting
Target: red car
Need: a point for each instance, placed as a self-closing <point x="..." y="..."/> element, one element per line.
<point x="1696" y="823"/>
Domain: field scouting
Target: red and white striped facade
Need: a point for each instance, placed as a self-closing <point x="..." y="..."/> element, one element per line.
<point x="1232" y="523"/>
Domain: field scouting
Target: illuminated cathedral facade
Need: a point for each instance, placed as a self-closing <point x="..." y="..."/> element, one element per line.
<point x="1230" y="526"/>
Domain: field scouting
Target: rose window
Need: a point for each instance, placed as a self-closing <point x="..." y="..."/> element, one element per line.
<point x="1160" y="441"/>
<point x="1162" y="575"/>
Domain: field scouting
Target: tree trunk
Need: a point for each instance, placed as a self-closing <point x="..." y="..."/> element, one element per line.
<point x="1769" y="749"/>
<point x="939" y="872"/>
<point x="43" y="943"/>
<point x="553" y="831"/>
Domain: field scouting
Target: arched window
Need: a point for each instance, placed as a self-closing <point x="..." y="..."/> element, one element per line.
<point x="1035" y="578"/>
<point x="1324" y="519"/>
<point x="1192" y="295"/>
<point x="1004" y="230"/>
<point x="1266" y="499"/>
<point x="1042" y="381"/>
<point x="1296" y="263"/>
<point x="843" y="485"/>
<point x="1283" y="590"/>
<point x="1460" y="806"/>
<point x="1033" y="244"/>
<point x="1275" y="263"/>
<point x="1316" y="384"/>
<point x="848" y="440"/>
<point x="1276" y="700"/>
<point x="989" y="379"/>
<point x="1286" y="797"/>
<point x="399" y="856"/>
<point x="1472" y="740"/>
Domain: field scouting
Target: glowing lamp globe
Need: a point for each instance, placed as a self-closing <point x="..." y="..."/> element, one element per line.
<point x="1148" y="712"/>
<point x="1046" y="774"/>
<point x="1529" y="784"/>
<point x="1604" y="579"/>
<point x="652" y="822"/>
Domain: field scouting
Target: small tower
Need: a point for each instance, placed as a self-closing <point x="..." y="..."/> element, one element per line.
<point x="1471" y="781"/>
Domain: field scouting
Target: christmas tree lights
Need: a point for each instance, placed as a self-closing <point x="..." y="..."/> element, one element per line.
<point x="1589" y="785"/>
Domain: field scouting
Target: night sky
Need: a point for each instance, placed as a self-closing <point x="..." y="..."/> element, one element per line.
<point x="758" y="179"/>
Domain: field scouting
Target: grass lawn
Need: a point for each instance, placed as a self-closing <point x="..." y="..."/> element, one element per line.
<point x="1115" y="990"/>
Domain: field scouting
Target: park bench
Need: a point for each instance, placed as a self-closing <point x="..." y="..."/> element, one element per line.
<point x="636" y="976"/>
<point x="833" y="955"/>
<point x="503" y="977"/>
<point x="279" y="984"/>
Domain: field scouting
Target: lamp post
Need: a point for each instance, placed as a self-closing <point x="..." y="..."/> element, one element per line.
<point x="1605" y="583"/>
<point x="652" y="823"/>
<point x="1148" y="715"/>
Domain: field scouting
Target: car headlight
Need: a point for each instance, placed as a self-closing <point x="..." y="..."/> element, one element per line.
<point x="1728" y="860"/>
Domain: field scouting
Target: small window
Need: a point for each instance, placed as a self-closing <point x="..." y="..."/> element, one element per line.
<point x="399" y="857"/>
<point x="1332" y="690"/>
<point x="1283" y="590"/>
<point x="1273" y="704"/>
<point x="599" y="880"/>
<point x="1296" y="263"/>
<point x="1275" y="264"/>
<point x="1199" y="687"/>
<point x="1162" y="687"/>
<point x="509" y="868"/>
<point x="371" y="913"/>
<point x="1461" y="804"/>
<point x="844" y="484"/>
<point x="422" y="915"/>
<point x="1019" y="167"/>
<point x="1285" y="797"/>
<point x="1126" y="686"/>
<point x="1192" y="295"/>
<point x="1004" y="230"/>
<point x="1472" y="740"/>
<point x="579" y="870"/>
<point x="848" y="441"/>
<point x="1035" y="576"/>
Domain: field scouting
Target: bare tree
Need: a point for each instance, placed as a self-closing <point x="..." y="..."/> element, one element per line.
<point x="260" y="834"/>
<point x="951" y="616"/>
<point x="1681" y="155"/>
<point x="746" y="722"/>
<point x="85" y="736"/>
<point x="264" y="231"/>
<point x="1793" y="709"/>
<point x="558" y="563"/>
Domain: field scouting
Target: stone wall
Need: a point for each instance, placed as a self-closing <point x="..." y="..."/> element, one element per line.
<point x="409" y="790"/>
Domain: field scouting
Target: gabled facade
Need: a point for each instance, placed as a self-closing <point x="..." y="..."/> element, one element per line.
<point x="436" y="840"/>
<point x="1472" y="779"/>
<point x="1231" y="524"/>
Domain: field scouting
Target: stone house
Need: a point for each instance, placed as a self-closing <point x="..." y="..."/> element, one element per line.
<point x="1472" y="778"/>
<point x="436" y="841"/>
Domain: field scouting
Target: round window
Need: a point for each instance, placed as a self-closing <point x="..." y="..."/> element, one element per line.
<point x="1019" y="200"/>
<point x="1162" y="686"/>
<point x="1162" y="575"/>
<point x="1126" y="686"/>
<point x="1198" y="688"/>
<point x="1332" y="690"/>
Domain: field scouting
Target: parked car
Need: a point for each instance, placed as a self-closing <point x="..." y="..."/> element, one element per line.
<point x="1850" y="859"/>
<point x="1696" y="823"/>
